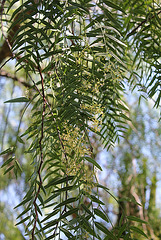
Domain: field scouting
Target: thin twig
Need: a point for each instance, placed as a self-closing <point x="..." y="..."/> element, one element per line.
<point x="5" y="63"/>
<point x="62" y="146"/>
<point x="45" y="102"/>
<point x="54" y="119"/>
<point x="144" y="21"/>
<point x="60" y="140"/>
<point x="41" y="154"/>
<point x="9" y="75"/>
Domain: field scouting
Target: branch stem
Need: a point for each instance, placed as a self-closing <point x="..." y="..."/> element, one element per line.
<point x="41" y="153"/>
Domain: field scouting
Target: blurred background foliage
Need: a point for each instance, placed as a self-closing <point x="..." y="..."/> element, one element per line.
<point x="131" y="170"/>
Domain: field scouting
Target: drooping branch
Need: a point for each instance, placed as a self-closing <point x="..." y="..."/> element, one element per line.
<point x="6" y="74"/>
<point x="46" y="103"/>
<point x="141" y="24"/>
<point x="6" y="49"/>
<point x="41" y="154"/>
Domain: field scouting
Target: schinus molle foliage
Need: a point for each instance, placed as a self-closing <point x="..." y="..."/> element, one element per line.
<point x="73" y="53"/>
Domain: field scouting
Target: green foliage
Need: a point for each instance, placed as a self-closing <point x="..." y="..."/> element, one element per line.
<point x="136" y="160"/>
<point x="143" y="31"/>
<point x="74" y="55"/>
<point x="8" y="230"/>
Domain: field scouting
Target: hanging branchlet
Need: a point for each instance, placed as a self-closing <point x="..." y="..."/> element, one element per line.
<point x="78" y="94"/>
<point x="41" y="152"/>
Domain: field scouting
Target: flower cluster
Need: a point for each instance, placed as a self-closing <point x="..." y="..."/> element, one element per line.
<point x="76" y="148"/>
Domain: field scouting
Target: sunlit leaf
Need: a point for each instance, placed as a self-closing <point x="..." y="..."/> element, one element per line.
<point x="18" y="100"/>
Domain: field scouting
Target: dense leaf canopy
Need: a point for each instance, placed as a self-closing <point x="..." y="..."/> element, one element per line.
<point x="78" y="58"/>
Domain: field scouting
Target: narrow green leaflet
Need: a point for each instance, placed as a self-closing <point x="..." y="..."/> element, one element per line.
<point x="93" y="162"/>
<point x="67" y="201"/>
<point x="24" y="220"/>
<point x="20" y="139"/>
<point x="18" y="166"/>
<point x="70" y="212"/>
<point x="67" y="233"/>
<point x="8" y="161"/>
<point x="135" y="219"/>
<point x="24" y="201"/>
<point x="51" y="215"/>
<point x="95" y="199"/>
<point x="9" y="169"/>
<point x="121" y="230"/>
<point x="8" y="150"/>
<point x="51" y="197"/>
<point x="100" y="214"/>
<point x="114" y="6"/>
<point x="138" y="230"/>
<point x="105" y="230"/>
<point x="59" y="180"/>
<point x="87" y="210"/>
<point x="86" y="225"/>
<point x="18" y="100"/>
<point x="22" y="213"/>
<point x="129" y="200"/>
